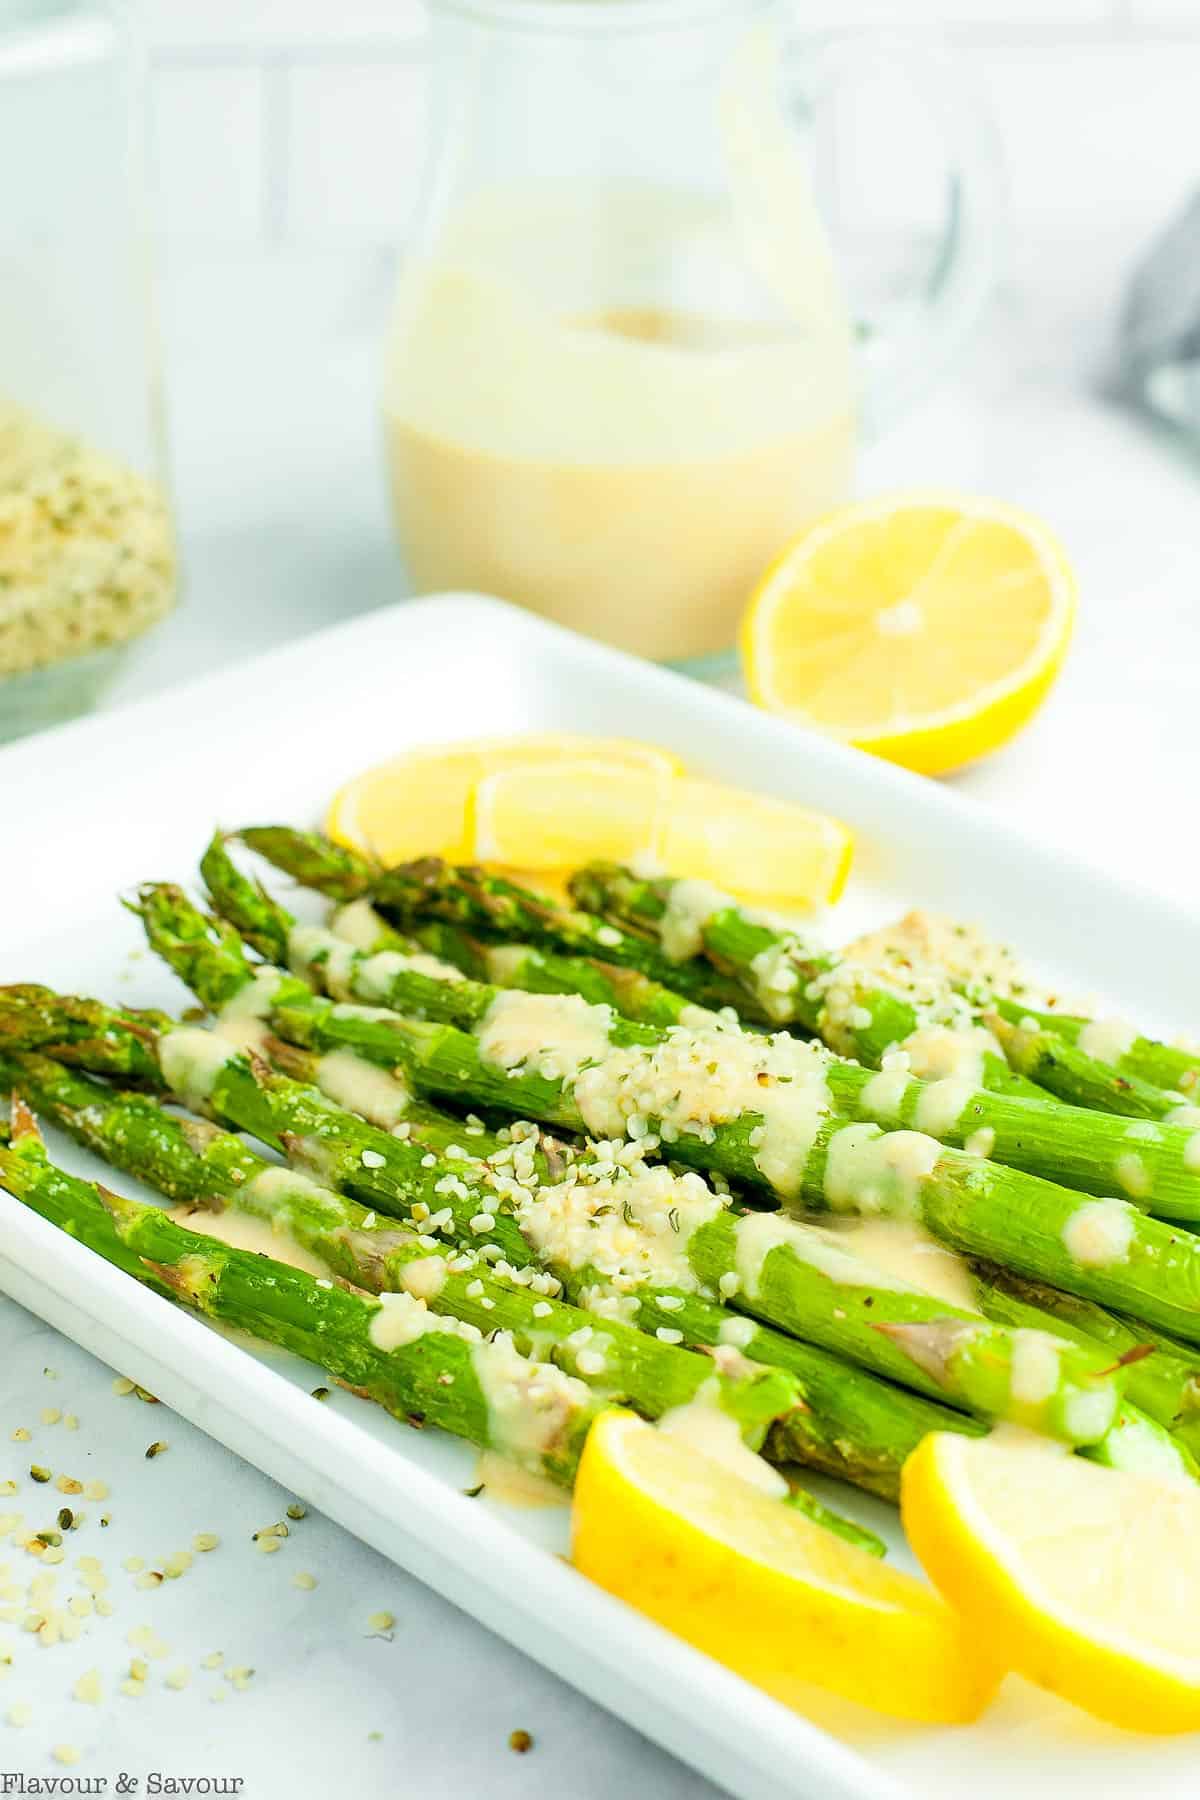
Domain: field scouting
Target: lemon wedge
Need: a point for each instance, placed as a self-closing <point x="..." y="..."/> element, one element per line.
<point x="416" y="805"/>
<point x="554" y="815"/>
<point x="927" y="629"/>
<point x="772" y="1596"/>
<point x="537" y="807"/>
<point x="765" y="850"/>
<point x="561" y="815"/>
<point x="1085" y="1579"/>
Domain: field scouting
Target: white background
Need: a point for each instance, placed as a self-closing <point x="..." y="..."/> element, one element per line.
<point x="298" y="121"/>
<point x="286" y="136"/>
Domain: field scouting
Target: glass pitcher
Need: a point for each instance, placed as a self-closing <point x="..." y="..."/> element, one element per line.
<point x="623" y="372"/>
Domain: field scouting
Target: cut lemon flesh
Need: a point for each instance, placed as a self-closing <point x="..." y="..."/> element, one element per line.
<point x="548" y="816"/>
<point x="417" y="804"/>
<point x="927" y="629"/>
<point x="559" y="814"/>
<point x="772" y="1596"/>
<point x="550" y="882"/>
<point x="757" y="847"/>
<point x="542" y="805"/>
<point x="1085" y="1579"/>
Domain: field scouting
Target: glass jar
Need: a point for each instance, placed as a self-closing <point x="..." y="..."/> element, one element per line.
<point x="623" y="370"/>
<point x="87" y="559"/>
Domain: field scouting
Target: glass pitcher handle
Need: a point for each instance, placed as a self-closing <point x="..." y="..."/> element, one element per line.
<point x="914" y="350"/>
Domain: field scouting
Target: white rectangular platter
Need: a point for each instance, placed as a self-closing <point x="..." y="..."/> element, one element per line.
<point x="98" y="806"/>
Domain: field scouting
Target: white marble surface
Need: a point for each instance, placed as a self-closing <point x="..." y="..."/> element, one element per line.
<point x="273" y="396"/>
<point x="331" y="1706"/>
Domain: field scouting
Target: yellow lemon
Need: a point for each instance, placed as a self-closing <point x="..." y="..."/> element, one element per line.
<point x="551" y="816"/>
<point x="765" y="850"/>
<point x="1084" y="1579"/>
<point x="927" y="629"/>
<point x="554" y="815"/>
<point x="537" y="807"/>
<point x="416" y="805"/>
<point x="772" y="1596"/>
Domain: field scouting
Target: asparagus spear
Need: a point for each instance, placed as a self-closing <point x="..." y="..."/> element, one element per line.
<point x="1094" y="1159"/>
<point x="1160" y="1168"/>
<point x="268" y="927"/>
<point x="788" y="980"/>
<point x="1073" y="1145"/>
<point x="1163" y="1391"/>
<point x="858" y="1427"/>
<point x="214" y="1077"/>
<point x="441" y="951"/>
<point x="858" y="1015"/>
<point x="1110" y="1041"/>
<point x="409" y="1348"/>
<point x="1140" y="1445"/>
<point x="198" y="1163"/>
<point x="124" y="1043"/>
<point x="389" y="978"/>
<point x="795" y="1279"/>
<point x="343" y="875"/>
<point x="213" y="963"/>
<point x="847" y="1424"/>
<point x="1155" y="1164"/>
<point x="405" y="967"/>
<point x="1165" y="1385"/>
<point x="792" y="1275"/>
<point x="1139" y="1440"/>
<point x="1101" y="1249"/>
<point x="1157" y="1278"/>
<point x="1094" y="1152"/>
<point x="523" y="966"/>
<point x="1152" y="1435"/>
<point x="759" y="958"/>
<point x="936" y="1182"/>
<point x="802" y="1283"/>
<point x="485" y="903"/>
<point x="419" y="1367"/>
<point x="954" y="1368"/>
<point x="1068" y="1071"/>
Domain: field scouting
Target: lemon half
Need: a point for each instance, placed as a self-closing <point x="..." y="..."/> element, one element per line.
<point x="927" y="629"/>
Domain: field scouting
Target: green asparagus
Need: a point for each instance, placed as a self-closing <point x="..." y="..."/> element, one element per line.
<point x="442" y="948"/>
<point x="1110" y="1041"/>
<point x="124" y="1043"/>
<point x="407" y="1349"/>
<point x="420" y="1367"/>
<point x="769" y="1119"/>
<point x="1165" y="1385"/>
<point x="1155" y="1165"/>
<point x="199" y="1164"/>
<point x="849" y="1424"/>
<point x="760" y="959"/>
<point x="1066" y="1070"/>
<point x="1159" y="1168"/>
<point x="507" y="965"/>
<point x="917" y="1002"/>
<point x="795" y="1279"/>
<point x="825" y="993"/>
<point x="1104" y="1249"/>
<point x="483" y="903"/>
